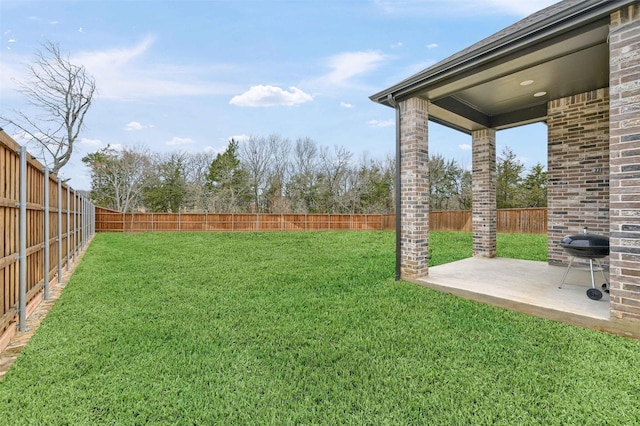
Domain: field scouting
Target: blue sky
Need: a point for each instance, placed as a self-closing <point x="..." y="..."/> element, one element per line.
<point x="189" y="75"/>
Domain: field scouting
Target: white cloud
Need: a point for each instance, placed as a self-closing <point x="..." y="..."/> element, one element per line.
<point x="432" y="45"/>
<point x="381" y="123"/>
<point x="465" y="147"/>
<point x="397" y="45"/>
<point x="239" y="138"/>
<point x="9" y="74"/>
<point x="267" y="96"/>
<point x="92" y="143"/>
<point x="209" y="149"/>
<point x="80" y="30"/>
<point x="23" y="138"/>
<point x="134" y="125"/>
<point x="11" y="40"/>
<point x="346" y="105"/>
<point x="348" y="65"/>
<point x="126" y="73"/>
<point x="179" y="141"/>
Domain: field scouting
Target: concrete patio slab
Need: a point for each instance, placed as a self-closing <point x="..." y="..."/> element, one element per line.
<point x="529" y="287"/>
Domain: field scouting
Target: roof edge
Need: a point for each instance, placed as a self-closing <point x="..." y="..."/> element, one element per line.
<point x="575" y="16"/>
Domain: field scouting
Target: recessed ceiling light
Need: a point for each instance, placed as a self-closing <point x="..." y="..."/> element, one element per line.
<point x="538" y="94"/>
<point x="526" y="82"/>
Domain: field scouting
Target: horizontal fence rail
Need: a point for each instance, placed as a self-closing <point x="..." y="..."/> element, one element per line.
<point x="45" y="225"/>
<point x="513" y="221"/>
<point x="112" y="221"/>
<point x="509" y="221"/>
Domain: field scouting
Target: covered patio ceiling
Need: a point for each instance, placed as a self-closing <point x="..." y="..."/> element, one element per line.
<point x="507" y="79"/>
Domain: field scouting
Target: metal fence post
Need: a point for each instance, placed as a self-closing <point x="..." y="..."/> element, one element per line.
<point x="75" y="225"/>
<point x="22" y="286"/>
<point x="68" y="228"/>
<point x="46" y="234"/>
<point x="59" y="230"/>
<point x="84" y="222"/>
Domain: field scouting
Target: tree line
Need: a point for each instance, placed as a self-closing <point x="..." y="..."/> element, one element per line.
<point x="272" y="174"/>
<point x="261" y="174"/>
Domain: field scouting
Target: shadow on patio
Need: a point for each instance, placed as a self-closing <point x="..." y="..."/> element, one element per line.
<point x="529" y="287"/>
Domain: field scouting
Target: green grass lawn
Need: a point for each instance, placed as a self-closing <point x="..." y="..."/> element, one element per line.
<point x="303" y="328"/>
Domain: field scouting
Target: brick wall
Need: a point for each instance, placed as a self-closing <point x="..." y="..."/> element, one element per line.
<point x="578" y="168"/>
<point x="624" y="42"/>
<point x="414" y="202"/>
<point x="484" y="215"/>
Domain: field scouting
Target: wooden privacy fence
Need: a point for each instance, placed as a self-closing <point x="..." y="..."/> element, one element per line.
<point x="44" y="225"/>
<point x="113" y="221"/>
<point x="509" y="221"/>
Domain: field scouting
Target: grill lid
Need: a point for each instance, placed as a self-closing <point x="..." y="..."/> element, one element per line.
<point x="586" y="245"/>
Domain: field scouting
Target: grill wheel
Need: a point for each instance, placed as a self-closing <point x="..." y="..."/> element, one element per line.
<point x="594" y="294"/>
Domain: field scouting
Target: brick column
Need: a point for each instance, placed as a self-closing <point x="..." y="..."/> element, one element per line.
<point x="484" y="222"/>
<point x="414" y="201"/>
<point x="578" y="168"/>
<point x="624" y="39"/>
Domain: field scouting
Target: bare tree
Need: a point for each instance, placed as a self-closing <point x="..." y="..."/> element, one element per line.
<point x="119" y="178"/>
<point x="63" y="93"/>
<point x="196" y="169"/>
<point x="302" y="189"/>
<point x="256" y="155"/>
<point x="334" y="170"/>
<point x="278" y="178"/>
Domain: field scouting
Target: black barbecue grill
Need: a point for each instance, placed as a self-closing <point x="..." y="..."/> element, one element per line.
<point x="592" y="247"/>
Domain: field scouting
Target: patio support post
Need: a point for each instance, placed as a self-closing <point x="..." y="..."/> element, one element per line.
<point x="414" y="200"/>
<point x="484" y="222"/>
<point x="398" y="195"/>
<point x="398" y="191"/>
<point x="624" y="149"/>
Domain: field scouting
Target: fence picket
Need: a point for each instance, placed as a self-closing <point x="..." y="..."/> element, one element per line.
<point x="31" y="210"/>
<point x="532" y="221"/>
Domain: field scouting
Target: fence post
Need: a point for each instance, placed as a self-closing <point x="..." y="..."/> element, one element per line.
<point x="83" y="209"/>
<point x="59" y="230"/>
<point x="22" y="238"/>
<point x="75" y="225"/>
<point x="68" y="228"/>
<point x="85" y="221"/>
<point x="46" y="234"/>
